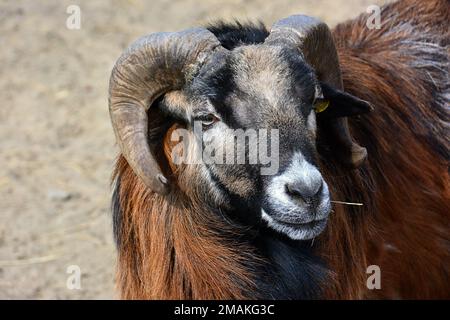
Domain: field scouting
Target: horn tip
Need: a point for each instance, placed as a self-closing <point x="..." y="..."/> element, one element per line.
<point x="358" y="156"/>
<point x="162" y="185"/>
<point x="158" y="184"/>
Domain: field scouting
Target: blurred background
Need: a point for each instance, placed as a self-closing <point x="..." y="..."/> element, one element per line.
<point x="57" y="147"/>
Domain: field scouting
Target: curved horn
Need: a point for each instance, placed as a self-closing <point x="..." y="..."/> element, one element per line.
<point x="151" y="66"/>
<point x="315" y="42"/>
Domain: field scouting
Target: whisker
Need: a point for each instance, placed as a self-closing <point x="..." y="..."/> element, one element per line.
<point x="348" y="203"/>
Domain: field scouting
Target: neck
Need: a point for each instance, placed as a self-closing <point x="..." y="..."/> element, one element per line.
<point x="292" y="270"/>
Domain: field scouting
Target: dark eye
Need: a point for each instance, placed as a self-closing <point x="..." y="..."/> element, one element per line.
<point x="207" y="120"/>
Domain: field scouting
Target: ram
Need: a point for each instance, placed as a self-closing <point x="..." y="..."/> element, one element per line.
<point x="362" y="117"/>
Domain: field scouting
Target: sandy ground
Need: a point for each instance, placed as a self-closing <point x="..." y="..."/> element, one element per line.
<point x="57" y="146"/>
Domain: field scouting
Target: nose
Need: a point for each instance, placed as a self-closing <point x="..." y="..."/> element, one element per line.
<point x="308" y="191"/>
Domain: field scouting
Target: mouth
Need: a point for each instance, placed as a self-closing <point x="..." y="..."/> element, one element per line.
<point x="294" y="230"/>
<point x="308" y="225"/>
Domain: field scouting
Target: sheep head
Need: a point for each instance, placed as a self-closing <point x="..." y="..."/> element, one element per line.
<point x="280" y="84"/>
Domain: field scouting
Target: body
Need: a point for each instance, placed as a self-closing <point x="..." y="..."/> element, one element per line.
<point x="185" y="246"/>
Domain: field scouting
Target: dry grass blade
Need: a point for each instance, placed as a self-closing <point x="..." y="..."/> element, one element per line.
<point x="348" y="203"/>
<point x="24" y="262"/>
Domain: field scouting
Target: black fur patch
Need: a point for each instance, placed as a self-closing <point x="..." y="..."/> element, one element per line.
<point x="116" y="213"/>
<point x="232" y="35"/>
<point x="294" y="272"/>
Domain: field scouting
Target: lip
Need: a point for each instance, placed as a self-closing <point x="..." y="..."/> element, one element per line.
<point x="304" y="225"/>
<point x="302" y="231"/>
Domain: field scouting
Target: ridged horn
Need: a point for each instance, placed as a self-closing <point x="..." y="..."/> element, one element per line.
<point x="315" y="43"/>
<point x="151" y="66"/>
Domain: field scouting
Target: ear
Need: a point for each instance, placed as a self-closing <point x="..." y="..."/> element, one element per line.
<point x="166" y="111"/>
<point x="342" y="104"/>
<point x="170" y="108"/>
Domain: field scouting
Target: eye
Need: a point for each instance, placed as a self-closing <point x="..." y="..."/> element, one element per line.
<point x="321" y="105"/>
<point x="207" y="119"/>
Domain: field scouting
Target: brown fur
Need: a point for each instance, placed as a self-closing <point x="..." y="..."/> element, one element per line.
<point x="404" y="226"/>
<point x="174" y="248"/>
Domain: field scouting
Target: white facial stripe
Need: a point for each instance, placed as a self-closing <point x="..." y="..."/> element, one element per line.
<point x="311" y="123"/>
<point x="301" y="169"/>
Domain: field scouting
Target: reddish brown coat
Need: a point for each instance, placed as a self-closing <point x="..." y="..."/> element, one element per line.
<point x="404" y="225"/>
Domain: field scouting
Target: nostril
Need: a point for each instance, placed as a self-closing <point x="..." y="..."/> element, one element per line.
<point x="306" y="192"/>
<point x="319" y="191"/>
<point x="293" y="190"/>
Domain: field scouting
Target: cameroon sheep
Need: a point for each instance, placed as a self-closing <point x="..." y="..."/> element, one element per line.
<point x="221" y="231"/>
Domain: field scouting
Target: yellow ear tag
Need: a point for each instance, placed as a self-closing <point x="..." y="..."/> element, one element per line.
<point x="321" y="106"/>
